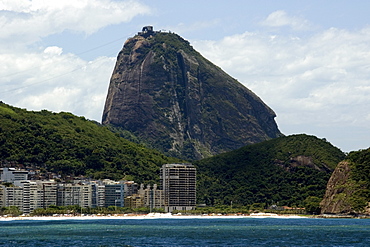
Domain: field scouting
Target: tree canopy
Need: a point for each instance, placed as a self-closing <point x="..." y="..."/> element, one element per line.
<point x="67" y="144"/>
<point x="284" y="171"/>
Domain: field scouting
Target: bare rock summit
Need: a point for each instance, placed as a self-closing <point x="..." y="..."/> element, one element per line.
<point x="168" y="96"/>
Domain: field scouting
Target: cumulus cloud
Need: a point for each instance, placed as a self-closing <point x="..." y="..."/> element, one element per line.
<point x="44" y="77"/>
<point x="320" y="80"/>
<point x="27" y="21"/>
<point x="56" y="81"/>
<point x="280" y="19"/>
<point x="315" y="81"/>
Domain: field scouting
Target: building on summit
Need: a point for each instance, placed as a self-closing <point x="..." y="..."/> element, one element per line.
<point x="147" y="31"/>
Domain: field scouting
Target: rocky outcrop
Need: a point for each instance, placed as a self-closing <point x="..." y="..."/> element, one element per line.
<point x="348" y="190"/>
<point x="169" y="96"/>
<point x="337" y="191"/>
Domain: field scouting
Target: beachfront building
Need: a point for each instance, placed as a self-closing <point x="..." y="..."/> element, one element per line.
<point x="114" y="194"/>
<point x="152" y="197"/>
<point x="74" y="194"/>
<point x="130" y="188"/>
<point x="177" y="192"/>
<point x="32" y="196"/>
<point x="11" y="196"/>
<point x="28" y="195"/>
<point x="38" y="194"/>
<point x="178" y="183"/>
<point x="2" y="195"/>
<point x="98" y="195"/>
<point x="49" y="190"/>
<point x="134" y="201"/>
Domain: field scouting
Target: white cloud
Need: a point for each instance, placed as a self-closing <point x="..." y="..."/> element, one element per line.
<point x="44" y="77"/>
<point x="27" y="21"/>
<point x="57" y="82"/>
<point x="321" y="80"/>
<point x="280" y="18"/>
<point x="53" y="50"/>
<point x="316" y="81"/>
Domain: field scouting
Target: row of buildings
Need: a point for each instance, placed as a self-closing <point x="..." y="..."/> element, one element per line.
<point x="176" y="192"/>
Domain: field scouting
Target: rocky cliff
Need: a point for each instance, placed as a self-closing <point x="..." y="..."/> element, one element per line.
<point x="348" y="189"/>
<point x="337" y="192"/>
<point x="169" y="96"/>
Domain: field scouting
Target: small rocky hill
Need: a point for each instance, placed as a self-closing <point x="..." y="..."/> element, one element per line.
<point x="348" y="190"/>
<point x="165" y="94"/>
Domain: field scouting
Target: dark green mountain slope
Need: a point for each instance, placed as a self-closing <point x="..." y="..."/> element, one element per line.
<point x="283" y="171"/>
<point x="348" y="190"/>
<point x="68" y="144"/>
<point x="166" y="94"/>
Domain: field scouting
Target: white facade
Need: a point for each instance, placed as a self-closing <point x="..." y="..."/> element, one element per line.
<point x="152" y="197"/>
<point x="74" y="194"/>
<point x="10" y="175"/>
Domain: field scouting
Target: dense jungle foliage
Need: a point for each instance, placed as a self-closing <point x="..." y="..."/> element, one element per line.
<point x="288" y="171"/>
<point x="67" y="144"/>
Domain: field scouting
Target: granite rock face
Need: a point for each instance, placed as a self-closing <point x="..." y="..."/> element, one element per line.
<point x="337" y="192"/>
<point x="347" y="191"/>
<point x="168" y="95"/>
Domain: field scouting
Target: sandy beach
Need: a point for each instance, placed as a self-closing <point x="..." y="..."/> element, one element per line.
<point x="148" y="216"/>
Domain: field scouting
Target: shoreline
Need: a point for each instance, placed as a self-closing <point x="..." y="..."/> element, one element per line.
<point x="170" y="216"/>
<point x="147" y="216"/>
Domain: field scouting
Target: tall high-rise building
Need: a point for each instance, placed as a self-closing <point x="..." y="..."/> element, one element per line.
<point x="179" y="186"/>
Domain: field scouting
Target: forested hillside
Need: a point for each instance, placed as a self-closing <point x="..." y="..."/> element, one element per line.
<point x="284" y="171"/>
<point x="360" y="174"/>
<point x="67" y="144"/>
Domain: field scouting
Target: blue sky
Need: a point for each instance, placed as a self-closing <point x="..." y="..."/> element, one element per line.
<point x="308" y="60"/>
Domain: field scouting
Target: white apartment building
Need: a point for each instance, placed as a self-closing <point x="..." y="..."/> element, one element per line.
<point x="74" y="194"/>
<point x="152" y="197"/>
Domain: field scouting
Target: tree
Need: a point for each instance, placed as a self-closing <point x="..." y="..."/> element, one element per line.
<point x="312" y="205"/>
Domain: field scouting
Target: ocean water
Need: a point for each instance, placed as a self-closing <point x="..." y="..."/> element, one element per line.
<point x="187" y="232"/>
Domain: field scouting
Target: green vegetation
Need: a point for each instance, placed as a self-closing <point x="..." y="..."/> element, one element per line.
<point x="77" y="210"/>
<point x="359" y="181"/>
<point x="71" y="145"/>
<point x="282" y="171"/>
<point x="290" y="171"/>
<point x="240" y="210"/>
<point x="12" y="211"/>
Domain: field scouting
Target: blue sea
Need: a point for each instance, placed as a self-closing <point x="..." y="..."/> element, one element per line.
<point x="187" y="232"/>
